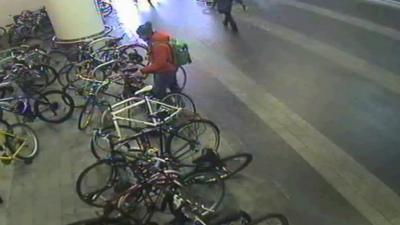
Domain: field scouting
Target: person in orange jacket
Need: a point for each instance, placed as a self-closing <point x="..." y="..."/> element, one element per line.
<point x="161" y="60"/>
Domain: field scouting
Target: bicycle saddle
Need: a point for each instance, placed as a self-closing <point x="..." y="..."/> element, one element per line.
<point x="145" y="89"/>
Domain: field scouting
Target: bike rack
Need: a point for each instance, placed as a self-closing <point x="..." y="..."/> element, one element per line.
<point x="105" y="32"/>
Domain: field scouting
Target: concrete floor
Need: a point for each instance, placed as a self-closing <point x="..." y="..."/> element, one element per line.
<point x="310" y="87"/>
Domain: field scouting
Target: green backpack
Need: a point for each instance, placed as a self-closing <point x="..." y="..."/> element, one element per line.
<point x="180" y="52"/>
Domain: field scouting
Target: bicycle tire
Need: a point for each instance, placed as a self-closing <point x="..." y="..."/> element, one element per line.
<point x="229" y="172"/>
<point x="132" y="53"/>
<point x="134" y="204"/>
<point x="187" y="135"/>
<point x="57" y="59"/>
<point x="86" y="195"/>
<point x="36" y="82"/>
<point x="181" y="78"/>
<point x="12" y="37"/>
<point x="4" y="140"/>
<point x="105" y="8"/>
<point x="113" y="168"/>
<point x="187" y="191"/>
<point x="74" y="81"/>
<point x="50" y="72"/>
<point x="62" y="73"/>
<point x="86" y="114"/>
<point x="98" y="149"/>
<point x="44" y="100"/>
<point x="35" y="148"/>
<point x="180" y="100"/>
<point x="3" y="32"/>
<point x="77" y="95"/>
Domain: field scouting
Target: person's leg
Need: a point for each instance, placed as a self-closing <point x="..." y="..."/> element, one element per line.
<point x="214" y="3"/>
<point x="226" y="20"/>
<point x="173" y="84"/>
<point x="160" y="86"/>
<point x="230" y="20"/>
<point x="242" y="4"/>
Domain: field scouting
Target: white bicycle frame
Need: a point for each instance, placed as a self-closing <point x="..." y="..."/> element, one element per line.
<point x="119" y="108"/>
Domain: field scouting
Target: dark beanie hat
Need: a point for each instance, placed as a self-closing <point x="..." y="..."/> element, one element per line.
<point x="145" y="30"/>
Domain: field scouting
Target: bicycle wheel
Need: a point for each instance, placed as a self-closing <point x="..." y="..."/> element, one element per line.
<point x="24" y="141"/>
<point x="181" y="78"/>
<point x="234" y="164"/>
<point x="78" y="95"/>
<point x="73" y="80"/>
<point x="3" y="32"/>
<point x="48" y="71"/>
<point x="180" y="100"/>
<point x="204" y="196"/>
<point x="104" y="181"/>
<point x="105" y="8"/>
<point x="86" y="115"/>
<point x="54" y="106"/>
<point x="135" y="53"/>
<point x="95" y="182"/>
<point x="4" y="129"/>
<point x="57" y="59"/>
<point x="100" y="145"/>
<point x="137" y="205"/>
<point x="66" y="69"/>
<point x="188" y="140"/>
<point x="13" y="37"/>
<point x="35" y="81"/>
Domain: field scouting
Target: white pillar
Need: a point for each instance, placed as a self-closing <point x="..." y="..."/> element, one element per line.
<point x="74" y="19"/>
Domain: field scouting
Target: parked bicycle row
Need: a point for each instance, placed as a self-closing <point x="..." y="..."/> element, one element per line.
<point x="153" y="150"/>
<point x="27" y="25"/>
<point x="165" y="155"/>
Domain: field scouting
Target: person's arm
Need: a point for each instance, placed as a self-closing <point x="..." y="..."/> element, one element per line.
<point x="159" y="60"/>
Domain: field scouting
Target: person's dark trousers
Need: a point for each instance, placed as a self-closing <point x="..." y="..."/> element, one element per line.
<point x="164" y="81"/>
<point x="229" y="20"/>
<point x="214" y="3"/>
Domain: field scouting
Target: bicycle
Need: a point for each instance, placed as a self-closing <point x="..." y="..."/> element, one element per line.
<point x="3" y="34"/>
<point x="52" y="106"/>
<point x="182" y="142"/>
<point x="31" y="59"/>
<point x="107" y="48"/>
<point x="129" y="189"/>
<point x="17" y="141"/>
<point x="95" y="91"/>
<point x="179" y="129"/>
<point x="104" y="7"/>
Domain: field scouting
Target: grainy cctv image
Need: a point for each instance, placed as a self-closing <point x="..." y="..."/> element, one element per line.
<point x="199" y="112"/>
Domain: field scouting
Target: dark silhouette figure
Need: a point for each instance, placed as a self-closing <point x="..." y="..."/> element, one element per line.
<point x="214" y="3"/>
<point x="225" y="7"/>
